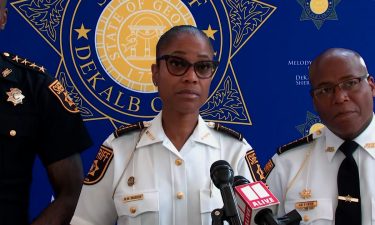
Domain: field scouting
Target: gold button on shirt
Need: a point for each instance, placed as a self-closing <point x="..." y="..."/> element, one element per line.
<point x="180" y="195"/>
<point x="133" y="210"/>
<point x="178" y="162"/>
<point x="12" y="133"/>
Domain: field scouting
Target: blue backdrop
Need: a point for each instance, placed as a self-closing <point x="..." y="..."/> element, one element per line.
<point x="102" y="50"/>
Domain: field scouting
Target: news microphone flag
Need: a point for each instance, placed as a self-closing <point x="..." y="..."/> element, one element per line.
<point x="252" y="198"/>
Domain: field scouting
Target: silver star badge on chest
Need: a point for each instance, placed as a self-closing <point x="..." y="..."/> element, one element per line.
<point x="15" y="96"/>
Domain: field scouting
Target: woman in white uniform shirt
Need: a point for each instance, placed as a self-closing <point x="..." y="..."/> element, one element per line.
<point x="158" y="172"/>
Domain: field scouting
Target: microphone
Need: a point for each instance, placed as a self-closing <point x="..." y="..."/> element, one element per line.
<point x="257" y="204"/>
<point x="222" y="176"/>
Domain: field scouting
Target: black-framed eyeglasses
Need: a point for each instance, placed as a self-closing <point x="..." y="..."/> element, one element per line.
<point x="346" y="85"/>
<point x="178" y="66"/>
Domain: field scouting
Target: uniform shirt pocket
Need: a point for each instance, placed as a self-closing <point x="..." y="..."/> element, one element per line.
<point x="323" y="212"/>
<point x="18" y="145"/>
<point x="13" y="126"/>
<point x="138" y="208"/>
<point x="209" y="201"/>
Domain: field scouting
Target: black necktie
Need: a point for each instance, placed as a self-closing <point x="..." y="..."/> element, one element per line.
<point x="348" y="209"/>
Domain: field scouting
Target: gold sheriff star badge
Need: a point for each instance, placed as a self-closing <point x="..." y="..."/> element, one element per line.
<point x="15" y="96"/>
<point x="305" y="193"/>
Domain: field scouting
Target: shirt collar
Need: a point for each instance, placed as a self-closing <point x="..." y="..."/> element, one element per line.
<point x="333" y="143"/>
<point x="155" y="133"/>
<point x="204" y="134"/>
<point x="366" y="140"/>
<point x="152" y="134"/>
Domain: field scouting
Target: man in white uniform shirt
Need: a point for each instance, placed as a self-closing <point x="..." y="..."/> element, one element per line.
<point x="313" y="174"/>
<point x="158" y="172"/>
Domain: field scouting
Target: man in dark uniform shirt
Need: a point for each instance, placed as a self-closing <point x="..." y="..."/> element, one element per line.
<point x="37" y="117"/>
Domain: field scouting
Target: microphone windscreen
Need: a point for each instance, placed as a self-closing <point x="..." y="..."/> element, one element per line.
<point x="221" y="173"/>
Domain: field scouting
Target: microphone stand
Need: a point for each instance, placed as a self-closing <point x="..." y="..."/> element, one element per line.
<point x="217" y="216"/>
<point x="221" y="174"/>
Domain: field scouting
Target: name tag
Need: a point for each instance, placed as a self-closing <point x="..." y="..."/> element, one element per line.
<point x="133" y="198"/>
<point x="306" y="205"/>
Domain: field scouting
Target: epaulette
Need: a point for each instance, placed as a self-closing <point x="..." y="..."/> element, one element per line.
<point x="23" y="62"/>
<point x="296" y="143"/>
<point x="129" y="128"/>
<point x="225" y="130"/>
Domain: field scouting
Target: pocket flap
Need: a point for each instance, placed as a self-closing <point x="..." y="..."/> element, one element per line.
<point x="135" y="204"/>
<point x="210" y="201"/>
<point x="24" y="125"/>
<point x="323" y="210"/>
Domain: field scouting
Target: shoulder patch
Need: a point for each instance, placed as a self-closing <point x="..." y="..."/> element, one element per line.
<point x="99" y="166"/>
<point x="132" y="127"/>
<point x="268" y="168"/>
<point x="226" y="130"/>
<point x="59" y="91"/>
<point x="295" y="143"/>
<point x="255" y="169"/>
<point x="15" y="59"/>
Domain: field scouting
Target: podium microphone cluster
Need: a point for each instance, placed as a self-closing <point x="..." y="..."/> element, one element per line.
<point x="245" y="203"/>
